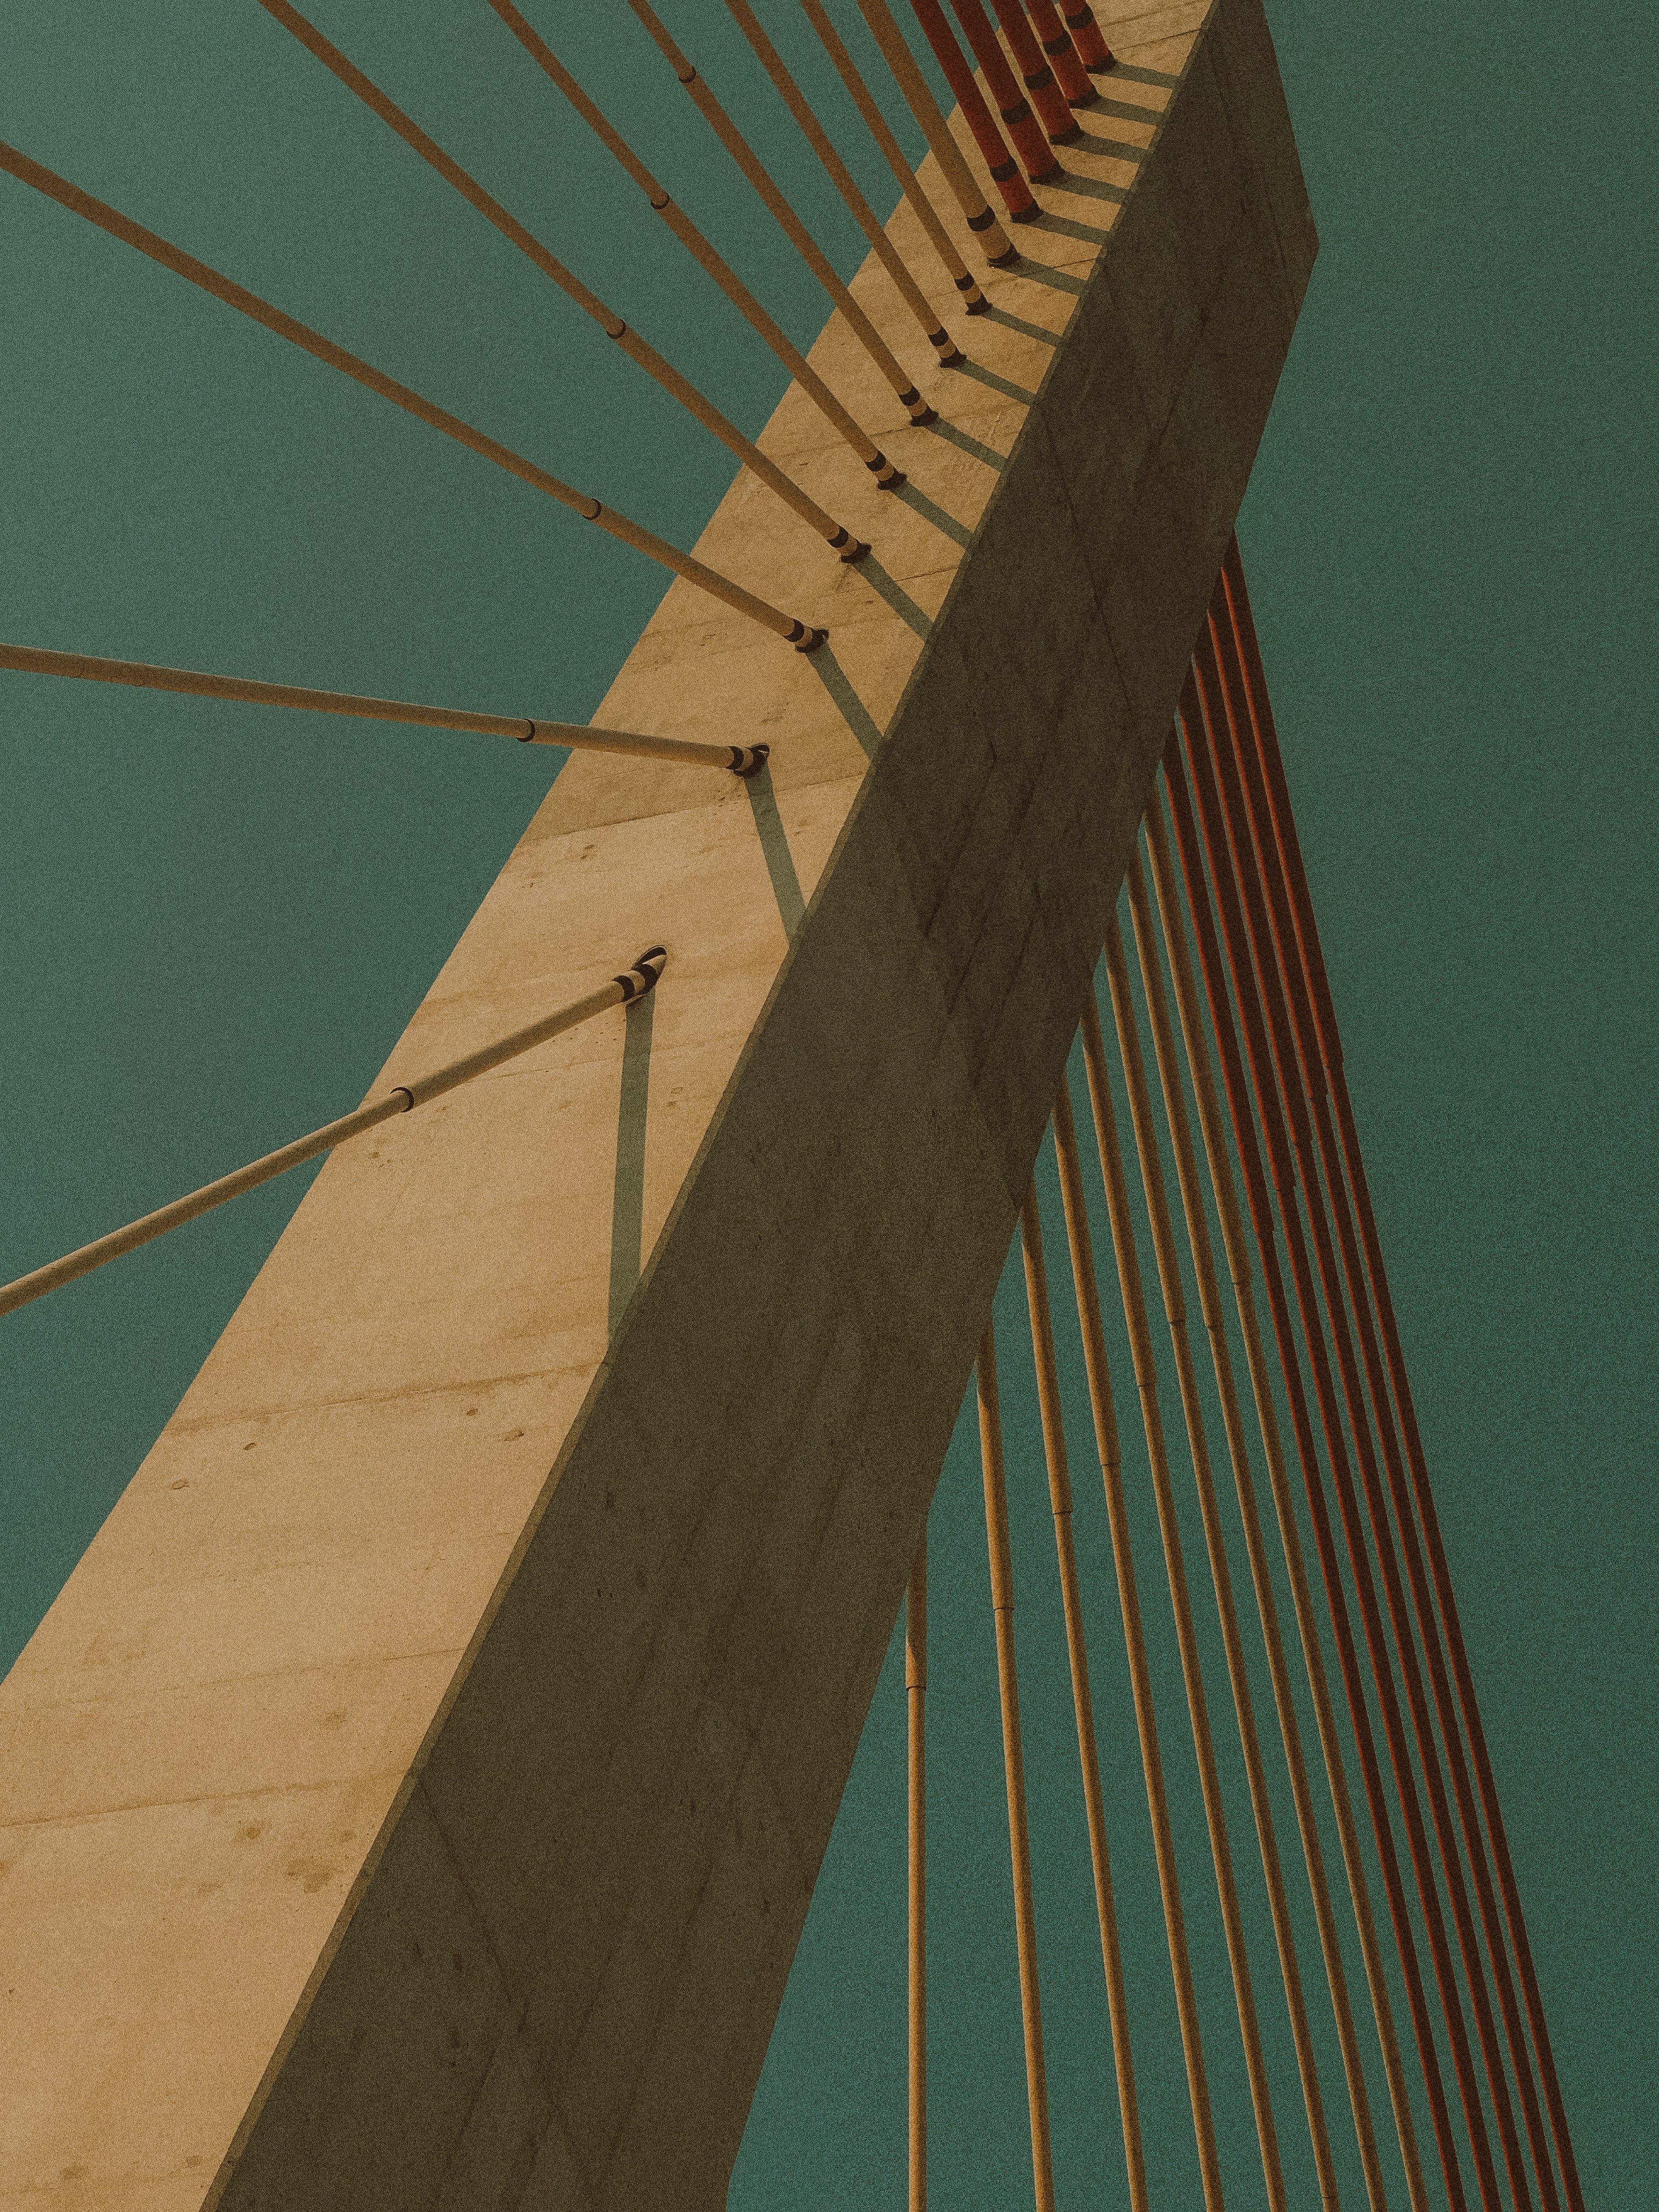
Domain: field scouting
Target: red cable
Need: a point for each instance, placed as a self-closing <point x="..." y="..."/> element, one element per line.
<point x="1013" y="105"/>
<point x="1087" y="37"/>
<point x="1216" y="972"/>
<point x="1045" y="94"/>
<point x="1309" y="977"/>
<point x="1217" y="701"/>
<point x="1061" y="54"/>
<point x="1005" y="170"/>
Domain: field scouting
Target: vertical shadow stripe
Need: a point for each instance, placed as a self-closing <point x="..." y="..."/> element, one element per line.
<point x="854" y="712"/>
<point x="871" y="571"/>
<point x="930" y="511"/>
<point x="780" y="862"/>
<point x="953" y="436"/>
<point x="627" y="1203"/>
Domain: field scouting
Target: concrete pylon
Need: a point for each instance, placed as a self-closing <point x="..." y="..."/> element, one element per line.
<point x="415" y="1795"/>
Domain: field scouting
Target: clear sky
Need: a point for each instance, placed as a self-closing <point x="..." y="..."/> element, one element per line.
<point x="214" y="923"/>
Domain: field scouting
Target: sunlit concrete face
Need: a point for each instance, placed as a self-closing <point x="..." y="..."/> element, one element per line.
<point x="415" y="1795"/>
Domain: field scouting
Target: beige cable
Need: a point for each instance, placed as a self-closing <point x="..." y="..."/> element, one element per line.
<point x="1000" y="249"/>
<point x="1140" y="1345"/>
<point x="915" y="1708"/>
<point x="402" y="1098"/>
<point x="893" y="153"/>
<point x="1169" y="1275"/>
<point x="642" y="354"/>
<point x="785" y="216"/>
<point x="1209" y="1296"/>
<point x="770" y="333"/>
<point x="802" y="635"/>
<point x="840" y="176"/>
<point x="1235" y="1242"/>
<point x="1019" y="1841"/>
<point x="1134" y="1639"/>
<point x="194" y="683"/>
<point x="1059" y="1497"/>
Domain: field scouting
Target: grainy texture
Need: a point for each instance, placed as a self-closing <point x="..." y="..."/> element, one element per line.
<point x="423" y="1810"/>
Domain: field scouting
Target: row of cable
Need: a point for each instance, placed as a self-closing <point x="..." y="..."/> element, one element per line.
<point x="743" y="760"/>
<point x="911" y="85"/>
<point x="1228" y="921"/>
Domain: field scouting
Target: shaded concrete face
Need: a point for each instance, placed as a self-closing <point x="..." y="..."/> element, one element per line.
<point x="389" y="1820"/>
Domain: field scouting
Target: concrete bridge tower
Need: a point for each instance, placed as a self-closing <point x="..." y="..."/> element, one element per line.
<point x="416" y="1795"/>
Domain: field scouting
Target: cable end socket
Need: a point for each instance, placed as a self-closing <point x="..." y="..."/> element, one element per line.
<point x="750" y="759"/>
<point x="642" y="976"/>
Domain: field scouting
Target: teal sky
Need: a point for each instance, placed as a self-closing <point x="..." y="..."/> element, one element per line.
<point x="215" y="922"/>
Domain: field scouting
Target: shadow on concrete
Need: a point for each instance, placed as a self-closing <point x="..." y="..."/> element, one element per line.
<point x="1126" y="111"/>
<point x="1019" y="323"/>
<point x="887" y="587"/>
<point x="1002" y="384"/>
<point x="1096" y="188"/>
<point x="1120" y="149"/>
<point x="963" y="442"/>
<point x="833" y="679"/>
<point x="780" y="862"/>
<point x="930" y="511"/>
<point x="1064" y="226"/>
<point x="1129" y="73"/>
<point x="628" y="1202"/>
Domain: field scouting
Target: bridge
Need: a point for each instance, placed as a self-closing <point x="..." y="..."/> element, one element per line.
<point x="416" y="1793"/>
